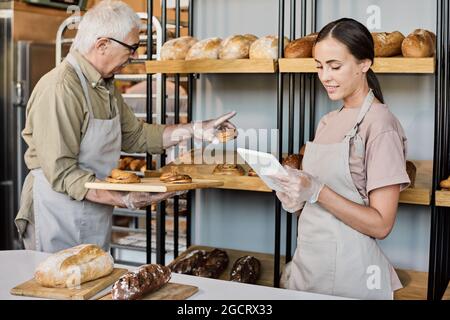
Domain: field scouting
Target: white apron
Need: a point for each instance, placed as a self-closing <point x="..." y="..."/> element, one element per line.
<point x="331" y="257"/>
<point x="60" y="221"/>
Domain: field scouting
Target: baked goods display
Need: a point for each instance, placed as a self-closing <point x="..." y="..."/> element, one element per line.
<point x="226" y="134"/>
<point x="301" y="48"/>
<point x="74" y="266"/>
<point x="387" y="44"/>
<point x="205" y="49"/>
<point x="246" y="269"/>
<point x="419" y="44"/>
<point x="213" y="265"/>
<point x="236" y="46"/>
<point x="227" y="169"/>
<point x="411" y="171"/>
<point x="176" y="49"/>
<point x="147" y="278"/>
<point x="202" y="263"/>
<point x="266" y="48"/>
<point x="120" y="176"/>
<point x="445" y="184"/>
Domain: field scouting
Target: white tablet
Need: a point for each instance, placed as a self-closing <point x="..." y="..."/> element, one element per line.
<point x="265" y="165"/>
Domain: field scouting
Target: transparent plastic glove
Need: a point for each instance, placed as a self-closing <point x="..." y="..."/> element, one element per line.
<point x="136" y="200"/>
<point x="207" y="130"/>
<point x="300" y="186"/>
<point x="289" y="204"/>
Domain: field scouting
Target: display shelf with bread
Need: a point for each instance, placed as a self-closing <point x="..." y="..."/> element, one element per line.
<point x="381" y="65"/>
<point x="266" y="269"/>
<point x="442" y="196"/>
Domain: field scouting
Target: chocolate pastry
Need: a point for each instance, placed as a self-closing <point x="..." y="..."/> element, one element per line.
<point x="216" y="262"/>
<point x="188" y="263"/>
<point x="246" y="269"/>
<point x="133" y="285"/>
<point x="293" y="161"/>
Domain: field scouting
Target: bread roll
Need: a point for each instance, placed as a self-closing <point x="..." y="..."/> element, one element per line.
<point x="188" y="263"/>
<point x="293" y="161"/>
<point x="266" y="48"/>
<point x="419" y="44"/>
<point x="387" y="44"/>
<point x="176" y="49"/>
<point x="251" y="37"/>
<point x="301" y="48"/>
<point x="119" y="176"/>
<point x="74" y="266"/>
<point x="205" y="49"/>
<point x="445" y="184"/>
<point x="236" y="47"/>
<point x="146" y="279"/>
<point x="136" y="164"/>
<point x="229" y="170"/>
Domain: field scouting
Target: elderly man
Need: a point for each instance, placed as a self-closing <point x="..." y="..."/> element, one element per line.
<point x="76" y="127"/>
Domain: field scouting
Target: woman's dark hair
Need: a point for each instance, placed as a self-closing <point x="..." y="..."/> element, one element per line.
<point x="357" y="38"/>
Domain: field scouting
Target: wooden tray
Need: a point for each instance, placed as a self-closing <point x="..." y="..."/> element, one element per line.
<point x="87" y="290"/>
<point x="154" y="185"/>
<point x="170" y="291"/>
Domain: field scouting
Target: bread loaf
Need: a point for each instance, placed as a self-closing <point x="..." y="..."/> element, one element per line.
<point x="176" y="49"/>
<point x="146" y="279"/>
<point x="215" y="263"/>
<point x="301" y="48"/>
<point x="74" y="266"/>
<point x="188" y="263"/>
<point x="266" y="48"/>
<point x="205" y="49"/>
<point x="246" y="269"/>
<point x="236" y="47"/>
<point x="387" y="44"/>
<point x="445" y="184"/>
<point x="293" y="161"/>
<point x="419" y="44"/>
<point x="229" y="170"/>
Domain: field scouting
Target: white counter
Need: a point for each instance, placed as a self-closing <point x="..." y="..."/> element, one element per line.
<point x="17" y="266"/>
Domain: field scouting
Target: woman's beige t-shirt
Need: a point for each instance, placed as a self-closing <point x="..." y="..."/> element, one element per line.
<point x="384" y="161"/>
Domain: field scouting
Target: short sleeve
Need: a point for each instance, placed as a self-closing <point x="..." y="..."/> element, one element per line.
<point x="386" y="161"/>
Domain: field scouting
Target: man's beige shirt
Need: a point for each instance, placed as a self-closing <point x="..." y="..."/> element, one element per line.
<point x="56" y="122"/>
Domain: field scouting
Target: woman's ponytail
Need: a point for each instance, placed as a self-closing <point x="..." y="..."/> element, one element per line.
<point x="375" y="85"/>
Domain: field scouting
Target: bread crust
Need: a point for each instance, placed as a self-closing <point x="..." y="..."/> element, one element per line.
<point x="205" y="49"/>
<point x="229" y="170"/>
<point x="387" y="44"/>
<point x="120" y="176"/>
<point x="176" y="49"/>
<point x="301" y="48"/>
<point x="420" y="43"/>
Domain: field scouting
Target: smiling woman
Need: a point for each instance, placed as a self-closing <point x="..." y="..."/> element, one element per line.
<point x="351" y="177"/>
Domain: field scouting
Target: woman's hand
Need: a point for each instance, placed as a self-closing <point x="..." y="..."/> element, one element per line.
<point x="298" y="187"/>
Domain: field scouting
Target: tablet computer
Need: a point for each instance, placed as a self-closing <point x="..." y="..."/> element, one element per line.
<point x="265" y="165"/>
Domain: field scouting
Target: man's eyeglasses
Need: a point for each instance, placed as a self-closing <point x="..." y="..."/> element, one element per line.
<point x="132" y="47"/>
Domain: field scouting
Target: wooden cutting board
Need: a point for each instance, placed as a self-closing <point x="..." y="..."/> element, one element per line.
<point x="87" y="290"/>
<point x="154" y="185"/>
<point x="170" y="291"/>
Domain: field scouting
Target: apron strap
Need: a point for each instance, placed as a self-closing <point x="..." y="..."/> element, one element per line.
<point x="73" y="62"/>
<point x="364" y="109"/>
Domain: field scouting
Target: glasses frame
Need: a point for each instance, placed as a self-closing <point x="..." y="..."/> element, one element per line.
<point x="132" y="48"/>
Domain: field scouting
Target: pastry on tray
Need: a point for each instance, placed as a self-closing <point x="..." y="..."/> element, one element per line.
<point x="246" y="269"/>
<point x="173" y="177"/>
<point x="227" y="169"/>
<point x="120" y="176"/>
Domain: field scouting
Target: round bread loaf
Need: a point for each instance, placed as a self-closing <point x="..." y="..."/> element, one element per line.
<point x="236" y="47"/>
<point x="266" y="48"/>
<point x="301" y="48"/>
<point x="387" y="44"/>
<point x="205" y="49"/>
<point x="419" y="44"/>
<point x="176" y="49"/>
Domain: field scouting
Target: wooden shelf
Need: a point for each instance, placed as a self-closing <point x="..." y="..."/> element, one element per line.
<point x="212" y="66"/>
<point x="266" y="260"/>
<point x="421" y="193"/>
<point x="442" y="198"/>
<point x="381" y="65"/>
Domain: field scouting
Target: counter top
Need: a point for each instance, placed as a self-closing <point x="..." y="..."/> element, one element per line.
<point x="17" y="266"/>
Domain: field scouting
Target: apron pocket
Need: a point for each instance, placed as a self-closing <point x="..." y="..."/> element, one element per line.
<point x="316" y="262"/>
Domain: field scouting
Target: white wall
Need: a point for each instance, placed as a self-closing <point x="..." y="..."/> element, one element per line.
<point x="245" y="220"/>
